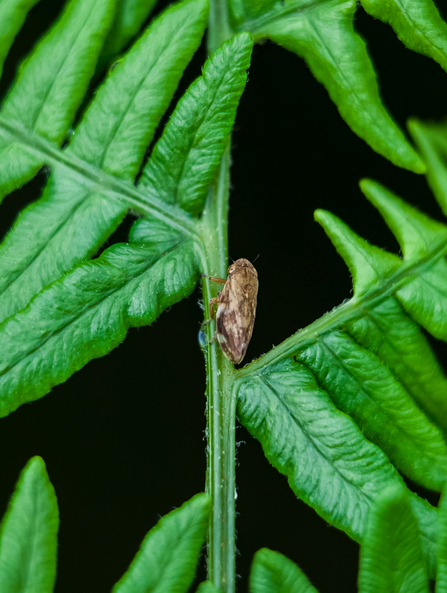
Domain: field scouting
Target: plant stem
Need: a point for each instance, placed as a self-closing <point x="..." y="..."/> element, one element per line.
<point x="221" y="405"/>
<point x="219" y="29"/>
<point x="221" y="412"/>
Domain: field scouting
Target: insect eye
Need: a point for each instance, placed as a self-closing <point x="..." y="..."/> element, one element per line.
<point x="231" y="269"/>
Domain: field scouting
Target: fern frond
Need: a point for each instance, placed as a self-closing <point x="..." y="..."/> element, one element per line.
<point x="271" y="572"/>
<point x="88" y="312"/>
<point x="362" y="386"/>
<point x="91" y="189"/>
<point x="50" y="86"/>
<point x="28" y="533"/>
<point x="370" y="357"/>
<point x="167" y="559"/>
<point x="78" y="210"/>
<point x="322" y="33"/>
<point x="129" y="18"/>
<point x="327" y="460"/>
<point x="417" y="24"/>
<point x="13" y="16"/>
<point x="390" y="560"/>
<point x="431" y="139"/>
<point x="185" y="158"/>
<point x="169" y="554"/>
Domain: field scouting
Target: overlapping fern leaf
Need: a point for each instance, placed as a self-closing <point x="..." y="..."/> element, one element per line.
<point x="92" y="183"/>
<point x="86" y="309"/>
<point x="337" y="402"/>
<point x="391" y="559"/>
<point x="337" y="407"/>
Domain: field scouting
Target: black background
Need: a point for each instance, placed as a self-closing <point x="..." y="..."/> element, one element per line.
<point x="123" y="439"/>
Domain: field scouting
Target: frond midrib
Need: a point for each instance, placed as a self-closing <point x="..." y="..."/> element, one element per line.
<point x="117" y="189"/>
<point x="354" y="308"/>
<point x="256" y="24"/>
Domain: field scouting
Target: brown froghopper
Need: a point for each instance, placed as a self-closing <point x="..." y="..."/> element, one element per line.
<point x="236" y="309"/>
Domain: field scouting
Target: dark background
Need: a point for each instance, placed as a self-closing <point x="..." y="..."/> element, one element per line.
<point x="123" y="439"/>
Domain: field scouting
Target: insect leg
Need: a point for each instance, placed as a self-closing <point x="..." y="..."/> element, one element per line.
<point x="212" y="301"/>
<point x="220" y="280"/>
<point x="214" y="279"/>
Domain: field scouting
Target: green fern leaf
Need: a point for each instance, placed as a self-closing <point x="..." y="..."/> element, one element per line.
<point x="424" y="299"/>
<point x="363" y="387"/>
<point x="390" y="334"/>
<point x="207" y="587"/>
<point x="50" y="87"/>
<point x="306" y="438"/>
<point x="28" y="534"/>
<point x="370" y="358"/>
<point x="323" y="34"/>
<point x="431" y="139"/>
<point x="90" y="310"/>
<point x="166" y="561"/>
<point x="368" y="264"/>
<point x="92" y="306"/>
<point x="370" y="380"/>
<point x="417" y="24"/>
<point x="391" y="558"/>
<point x="441" y="580"/>
<point x="120" y="123"/>
<point x="79" y="208"/>
<point x="169" y="554"/>
<point x="417" y="234"/>
<point x="129" y="18"/>
<point x="197" y="134"/>
<point x="272" y="572"/>
<point x="13" y="16"/>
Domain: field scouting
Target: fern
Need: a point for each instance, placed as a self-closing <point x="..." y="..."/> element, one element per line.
<point x="358" y="356"/>
<point x="342" y="406"/>
<point x="391" y="559"/>
<point x="166" y="560"/>
<point x="28" y="538"/>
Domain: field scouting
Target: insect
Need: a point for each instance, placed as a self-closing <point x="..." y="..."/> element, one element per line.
<point x="236" y="309"/>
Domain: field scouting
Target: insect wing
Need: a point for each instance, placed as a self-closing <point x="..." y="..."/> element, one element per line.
<point x="236" y="314"/>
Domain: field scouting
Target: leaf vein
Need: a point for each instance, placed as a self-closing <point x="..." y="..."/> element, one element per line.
<point x="75" y="318"/>
<point x="311" y="440"/>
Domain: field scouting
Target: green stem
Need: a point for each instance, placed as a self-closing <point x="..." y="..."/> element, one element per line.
<point x="221" y="404"/>
<point x="221" y="407"/>
<point x="219" y="29"/>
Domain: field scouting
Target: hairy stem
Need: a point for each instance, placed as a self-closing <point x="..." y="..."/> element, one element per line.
<point x="221" y="405"/>
<point x="221" y="408"/>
